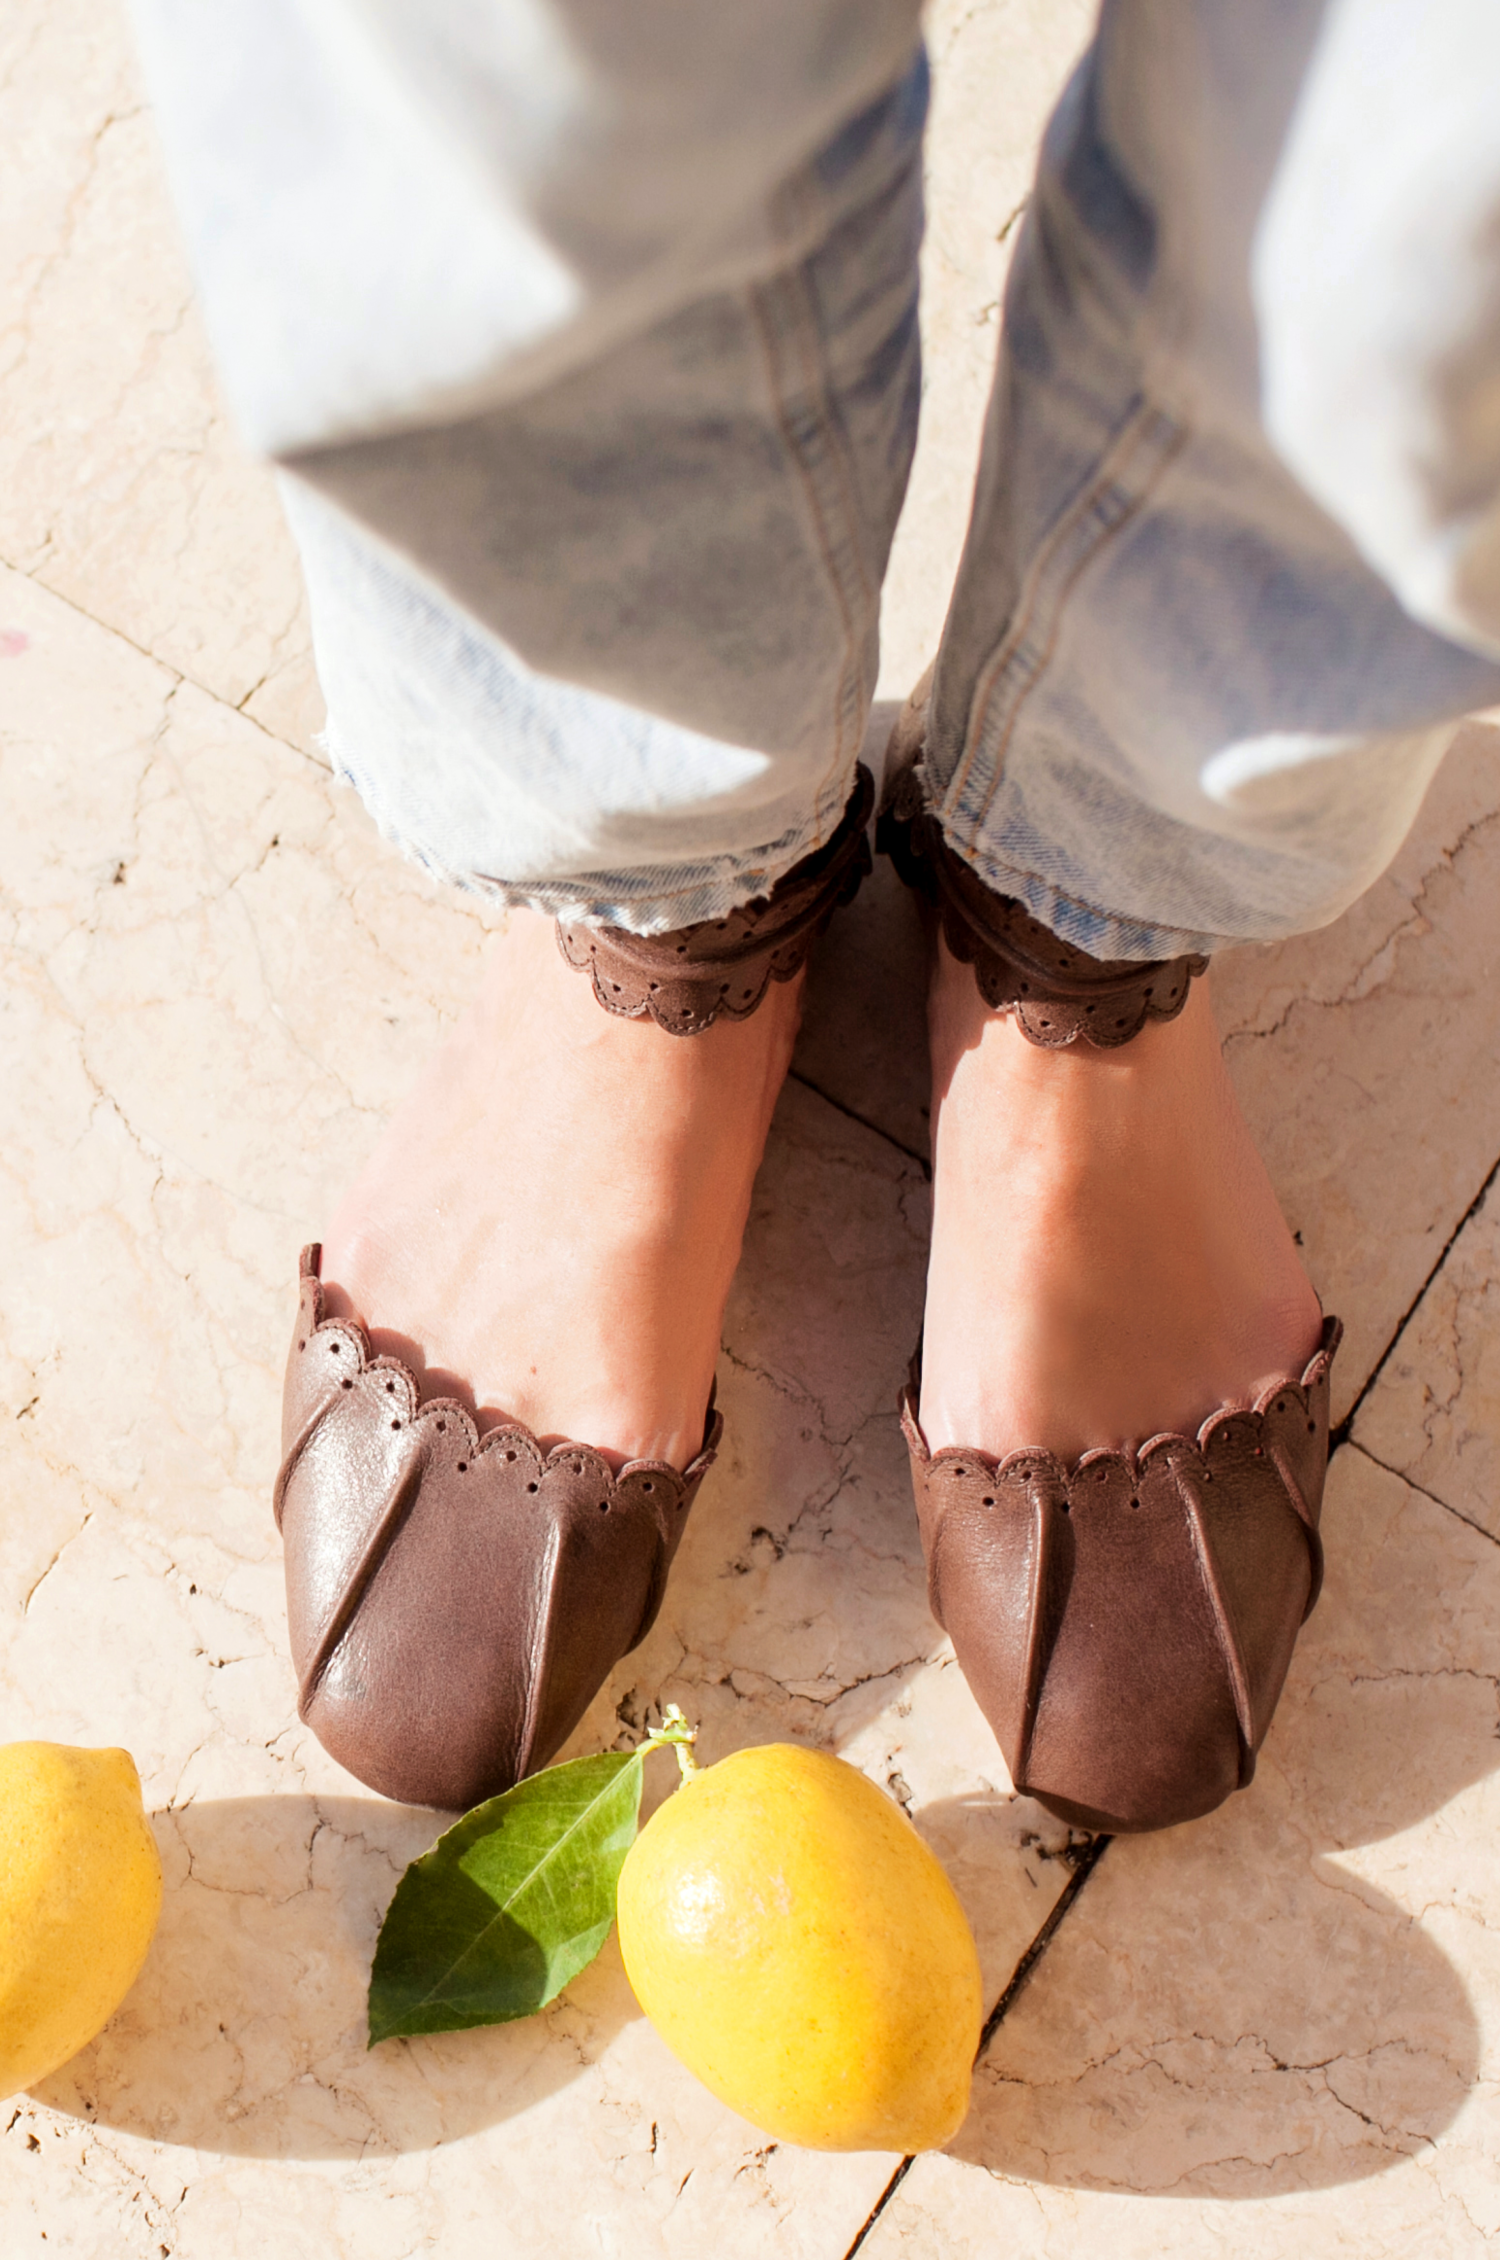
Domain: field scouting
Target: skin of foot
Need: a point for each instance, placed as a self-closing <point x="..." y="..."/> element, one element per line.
<point x="1108" y="1258"/>
<point x="549" y="1226"/>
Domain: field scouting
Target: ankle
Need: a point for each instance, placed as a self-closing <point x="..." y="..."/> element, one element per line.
<point x="1109" y="1260"/>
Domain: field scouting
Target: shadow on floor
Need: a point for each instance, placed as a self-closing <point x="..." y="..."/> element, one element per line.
<point x="245" y="2032"/>
<point x="863" y="1042"/>
<point x="1232" y="2011"/>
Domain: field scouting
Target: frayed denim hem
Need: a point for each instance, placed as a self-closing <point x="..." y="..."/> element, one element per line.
<point x="656" y="899"/>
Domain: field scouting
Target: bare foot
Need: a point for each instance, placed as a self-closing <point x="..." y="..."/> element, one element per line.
<point x="1108" y="1259"/>
<point x="553" y="1218"/>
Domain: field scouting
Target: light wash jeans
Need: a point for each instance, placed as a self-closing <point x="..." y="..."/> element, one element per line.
<point x="586" y="333"/>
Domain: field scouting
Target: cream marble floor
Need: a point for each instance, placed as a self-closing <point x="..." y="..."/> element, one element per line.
<point x="1274" y="2032"/>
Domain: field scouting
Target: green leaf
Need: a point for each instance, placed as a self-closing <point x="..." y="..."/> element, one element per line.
<point x="510" y="1904"/>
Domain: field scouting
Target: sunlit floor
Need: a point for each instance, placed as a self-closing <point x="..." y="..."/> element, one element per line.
<point x="1272" y="2032"/>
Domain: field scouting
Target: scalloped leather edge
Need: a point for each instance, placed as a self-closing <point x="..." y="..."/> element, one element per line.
<point x="684" y="981"/>
<point x="508" y="1433"/>
<point x="1037" y="1459"/>
<point x="1038" y="1482"/>
<point x="1102" y="1002"/>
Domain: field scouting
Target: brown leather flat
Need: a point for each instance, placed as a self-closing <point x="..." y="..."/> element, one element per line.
<point x="1126" y="1623"/>
<point x="455" y="1601"/>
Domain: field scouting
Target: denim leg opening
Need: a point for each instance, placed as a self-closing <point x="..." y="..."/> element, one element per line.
<point x="1175" y="707"/>
<point x="610" y="653"/>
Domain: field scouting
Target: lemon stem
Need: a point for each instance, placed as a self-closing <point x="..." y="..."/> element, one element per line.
<point x="675" y="1734"/>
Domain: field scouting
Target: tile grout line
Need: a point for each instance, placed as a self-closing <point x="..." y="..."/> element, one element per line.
<point x="1344" y="1432"/>
<point x="795" y="1075"/>
<point x="881" y="2202"/>
<point x="1020" y="1978"/>
<point x="1422" y="1491"/>
<point x="154" y="659"/>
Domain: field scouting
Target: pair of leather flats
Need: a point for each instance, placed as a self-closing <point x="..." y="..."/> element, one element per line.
<point x="455" y="1601"/>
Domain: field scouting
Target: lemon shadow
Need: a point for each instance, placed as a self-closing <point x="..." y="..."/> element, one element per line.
<point x="245" y="2032"/>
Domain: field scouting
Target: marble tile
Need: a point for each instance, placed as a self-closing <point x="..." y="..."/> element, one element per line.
<point x="1435" y="1416"/>
<point x="1367" y="1058"/>
<point x="122" y="486"/>
<point x="1276" y="2031"/>
<point x="1272" y="2031"/>
<point x="215" y="984"/>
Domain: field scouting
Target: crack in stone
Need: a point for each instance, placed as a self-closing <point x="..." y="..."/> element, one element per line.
<point x="851" y="1114"/>
<point x="56" y="1558"/>
<point x="1344" y="1432"/>
<point x="1421" y="1490"/>
<point x="1008" y="225"/>
<point x="1412" y="925"/>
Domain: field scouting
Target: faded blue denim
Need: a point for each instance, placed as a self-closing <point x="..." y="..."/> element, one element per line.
<point x="587" y="338"/>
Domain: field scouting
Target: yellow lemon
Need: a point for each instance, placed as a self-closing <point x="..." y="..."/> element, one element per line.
<point x="80" y="1891"/>
<point x="793" y="1940"/>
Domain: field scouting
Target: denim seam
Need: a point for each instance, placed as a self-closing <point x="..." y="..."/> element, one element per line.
<point x="1135" y="459"/>
<point x="819" y="488"/>
<point x="814" y="447"/>
<point x="1123" y="934"/>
